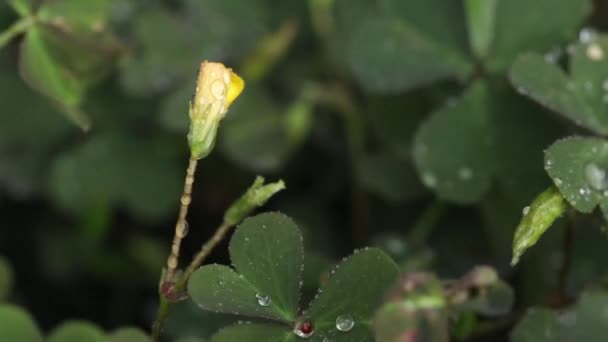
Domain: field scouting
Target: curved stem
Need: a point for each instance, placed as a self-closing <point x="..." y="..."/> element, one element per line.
<point x="426" y="222"/>
<point x="16" y="29"/>
<point x="181" y="225"/>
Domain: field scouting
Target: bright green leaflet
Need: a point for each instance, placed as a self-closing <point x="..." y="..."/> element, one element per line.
<point x="357" y="287"/>
<point x="523" y="25"/>
<point x="453" y="148"/>
<point x="413" y="34"/>
<point x="17" y="325"/>
<point x="480" y="20"/>
<point x="580" y="96"/>
<point x="578" y="169"/>
<point x="128" y="335"/>
<point x="6" y="279"/>
<point x="76" y="331"/>
<point x="267" y="252"/>
<point x="538" y="217"/>
<point x="255" y="332"/>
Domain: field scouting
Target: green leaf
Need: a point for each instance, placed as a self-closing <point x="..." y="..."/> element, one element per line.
<point x="17" y="325"/>
<point x="255" y="332"/>
<point x="254" y="132"/>
<point x="585" y="322"/>
<point x="480" y="18"/>
<point x="522" y="25"/>
<point x="188" y="321"/>
<point x="128" y="335"/>
<point x="494" y="300"/>
<point x="77" y="15"/>
<point x="42" y="72"/>
<point x="538" y="325"/>
<point x="578" y="169"/>
<point x="266" y="251"/>
<point x="76" y="331"/>
<point x="356" y="289"/>
<point x="537" y="218"/>
<point x="580" y="96"/>
<point x="6" y="279"/>
<point x="412" y="49"/>
<point x="453" y="148"/>
<point x="23" y="7"/>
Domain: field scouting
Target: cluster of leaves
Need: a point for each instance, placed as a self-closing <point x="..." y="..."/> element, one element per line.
<point x="448" y="100"/>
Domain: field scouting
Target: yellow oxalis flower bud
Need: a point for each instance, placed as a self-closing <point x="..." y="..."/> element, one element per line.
<point x="216" y="89"/>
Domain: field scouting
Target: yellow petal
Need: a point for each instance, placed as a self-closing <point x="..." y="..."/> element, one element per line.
<point x="235" y="88"/>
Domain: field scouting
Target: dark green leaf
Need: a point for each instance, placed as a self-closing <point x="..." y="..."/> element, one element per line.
<point x="398" y="45"/>
<point x="76" y="331"/>
<point x="255" y="332"/>
<point x="17" y="325"/>
<point x="6" y="279"/>
<point x="355" y="289"/>
<point x="453" y="149"/>
<point x="128" y="335"/>
<point x="267" y="252"/>
<point x="581" y="97"/>
<point x="522" y="25"/>
<point x="480" y="18"/>
<point x="538" y="325"/>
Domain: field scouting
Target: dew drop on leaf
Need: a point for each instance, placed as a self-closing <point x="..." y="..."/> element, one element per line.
<point x="429" y="180"/>
<point x="596" y="177"/>
<point x="465" y="173"/>
<point x="587" y="35"/>
<point x="526" y="210"/>
<point x="345" y="323"/>
<point x="263" y="299"/>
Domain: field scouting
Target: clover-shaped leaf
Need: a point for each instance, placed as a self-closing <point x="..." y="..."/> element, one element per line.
<point x="584" y="322"/>
<point x="17" y="325"/>
<point x="578" y="168"/>
<point x="453" y="148"/>
<point x="581" y="96"/>
<point x="266" y="251"/>
<point x="75" y="331"/>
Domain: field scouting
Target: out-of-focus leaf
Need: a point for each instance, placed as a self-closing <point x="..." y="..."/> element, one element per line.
<point x="267" y="252"/>
<point x="580" y="96"/>
<point x="522" y="25"/>
<point x="354" y="292"/>
<point x="396" y="45"/>
<point x="255" y="332"/>
<point x="76" y="331"/>
<point x="17" y="325"/>
<point x="128" y="335"/>
<point x="537" y="218"/>
<point x="480" y="19"/>
<point x="495" y="300"/>
<point x="6" y="279"/>
<point x="538" y="325"/>
<point x="253" y="134"/>
<point x="187" y="321"/>
<point x="139" y="174"/>
<point x="23" y="7"/>
<point x="578" y="168"/>
<point x="453" y="148"/>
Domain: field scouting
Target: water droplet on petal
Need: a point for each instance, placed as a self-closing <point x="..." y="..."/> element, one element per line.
<point x="263" y="300"/>
<point x="596" y="177"/>
<point x="345" y="323"/>
<point x="526" y="210"/>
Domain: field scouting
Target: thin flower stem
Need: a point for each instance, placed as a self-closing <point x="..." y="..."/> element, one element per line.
<point x="426" y="222"/>
<point x="181" y="225"/>
<point x="16" y="29"/>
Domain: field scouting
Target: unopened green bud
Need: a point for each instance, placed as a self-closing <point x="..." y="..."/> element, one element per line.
<point x="217" y="87"/>
<point x="257" y="195"/>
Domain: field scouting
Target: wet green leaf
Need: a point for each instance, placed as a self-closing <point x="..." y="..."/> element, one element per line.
<point x="266" y="251"/>
<point x="537" y="218"/>
<point x="255" y="332"/>
<point x="580" y="96"/>
<point x="453" y="148"/>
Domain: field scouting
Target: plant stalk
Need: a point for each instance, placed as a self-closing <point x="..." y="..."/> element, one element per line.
<point x="14" y="30"/>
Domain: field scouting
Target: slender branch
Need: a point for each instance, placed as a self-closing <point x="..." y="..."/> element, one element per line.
<point x="161" y="316"/>
<point x="16" y="29"/>
<point x="181" y="225"/>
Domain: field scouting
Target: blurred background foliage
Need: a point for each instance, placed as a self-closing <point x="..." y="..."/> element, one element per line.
<point x="393" y="123"/>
